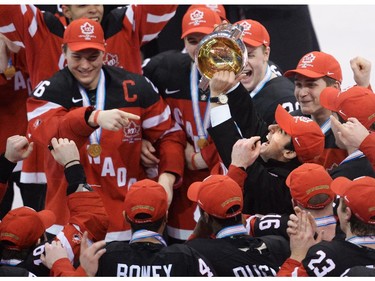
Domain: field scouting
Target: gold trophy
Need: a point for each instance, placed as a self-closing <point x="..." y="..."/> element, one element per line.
<point x="223" y="49"/>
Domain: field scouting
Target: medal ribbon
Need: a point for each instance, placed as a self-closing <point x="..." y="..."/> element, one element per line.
<point x="326" y="220"/>
<point x="261" y="84"/>
<point x="231" y="231"/>
<point x="202" y="125"/>
<point x="100" y="102"/>
<point x="143" y="233"/>
<point x="362" y="240"/>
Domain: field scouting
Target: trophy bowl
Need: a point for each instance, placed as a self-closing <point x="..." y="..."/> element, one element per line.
<point x="221" y="50"/>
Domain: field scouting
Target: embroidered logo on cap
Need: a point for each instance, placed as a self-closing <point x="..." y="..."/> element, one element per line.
<point x="307" y="61"/>
<point x="197" y="17"/>
<point x="246" y="27"/>
<point x="87" y="31"/>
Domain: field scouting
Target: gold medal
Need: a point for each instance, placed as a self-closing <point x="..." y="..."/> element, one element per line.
<point x="202" y="143"/>
<point x="10" y="72"/>
<point x="94" y="150"/>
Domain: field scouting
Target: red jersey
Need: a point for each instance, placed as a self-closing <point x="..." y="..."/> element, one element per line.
<point x="56" y="110"/>
<point x="126" y="29"/>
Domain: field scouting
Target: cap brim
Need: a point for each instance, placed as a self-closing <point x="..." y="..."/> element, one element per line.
<point x="47" y="217"/>
<point x="193" y="191"/>
<point x="328" y="97"/>
<point x="304" y="72"/>
<point x="79" y="46"/>
<point x="201" y="29"/>
<point x="340" y="185"/>
<point x="284" y="119"/>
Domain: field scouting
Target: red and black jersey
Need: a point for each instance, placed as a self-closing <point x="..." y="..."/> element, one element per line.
<point x="330" y="258"/>
<point x="41" y="34"/>
<point x="279" y="90"/>
<point x="143" y="259"/>
<point x="56" y="110"/>
<point x="170" y="72"/>
<point x="244" y="256"/>
<point x="270" y="224"/>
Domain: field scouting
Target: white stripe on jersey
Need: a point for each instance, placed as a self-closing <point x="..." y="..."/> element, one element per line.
<point x="33" y="177"/>
<point x="130" y="15"/>
<point x="175" y="128"/>
<point x="156" y="18"/>
<point x="156" y="120"/>
<point x="149" y="37"/>
<point x="42" y="109"/>
<point x="7" y="28"/>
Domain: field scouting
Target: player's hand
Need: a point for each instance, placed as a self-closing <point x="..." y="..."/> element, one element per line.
<point x="148" y="159"/>
<point x="52" y="252"/>
<point x="245" y="152"/>
<point x="64" y="151"/>
<point x="361" y="68"/>
<point x="112" y="120"/>
<point x="18" y="148"/>
<point x="90" y="255"/>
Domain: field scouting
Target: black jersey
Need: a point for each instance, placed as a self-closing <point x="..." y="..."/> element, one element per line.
<point x="142" y="259"/>
<point x="243" y="255"/>
<point x="279" y="90"/>
<point x="270" y="224"/>
<point x="360" y="271"/>
<point x="14" y="271"/>
<point x="333" y="258"/>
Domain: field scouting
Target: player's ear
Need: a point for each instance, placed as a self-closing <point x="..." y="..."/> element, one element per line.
<point x="289" y="154"/>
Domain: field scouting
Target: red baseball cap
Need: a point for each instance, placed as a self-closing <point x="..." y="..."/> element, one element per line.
<point x="219" y="9"/>
<point x="216" y="195"/>
<point x="146" y="201"/>
<point x="307" y="137"/>
<point x="255" y="34"/>
<point x="309" y="180"/>
<point x="199" y="20"/>
<point x="23" y="226"/>
<point x="359" y="196"/>
<point x="358" y="102"/>
<point x="84" y="34"/>
<point x="317" y="65"/>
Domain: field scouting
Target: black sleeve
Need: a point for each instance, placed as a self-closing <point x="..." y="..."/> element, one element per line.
<point x="6" y="168"/>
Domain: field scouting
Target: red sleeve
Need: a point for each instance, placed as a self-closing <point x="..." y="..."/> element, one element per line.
<point x="63" y="267"/>
<point x="149" y="20"/>
<point x="292" y="268"/>
<point x="238" y="175"/>
<point x="167" y="136"/>
<point x="368" y="148"/>
<point x="88" y="212"/>
<point x="210" y="155"/>
<point x="48" y="120"/>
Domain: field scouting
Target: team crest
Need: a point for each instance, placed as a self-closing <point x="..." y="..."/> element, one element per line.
<point x="307" y="61"/>
<point x="196" y="17"/>
<point x="111" y="59"/>
<point x="76" y="239"/>
<point x="132" y="132"/>
<point x="87" y="31"/>
<point x="246" y="27"/>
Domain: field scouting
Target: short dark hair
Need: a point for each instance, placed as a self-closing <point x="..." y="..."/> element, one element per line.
<point x="357" y="226"/>
<point x="152" y="226"/>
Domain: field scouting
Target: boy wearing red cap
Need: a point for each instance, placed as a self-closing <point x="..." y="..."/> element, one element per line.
<point x="282" y="146"/>
<point x="176" y="76"/>
<point x="266" y="87"/>
<point x="355" y="102"/>
<point x="106" y="111"/>
<point x="147" y="254"/>
<point x="232" y="252"/>
<point x="356" y="211"/>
